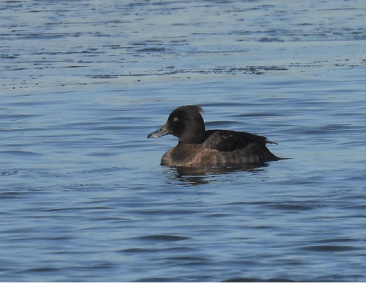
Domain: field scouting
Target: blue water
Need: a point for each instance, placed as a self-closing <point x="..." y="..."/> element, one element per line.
<point x="83" y="197"/>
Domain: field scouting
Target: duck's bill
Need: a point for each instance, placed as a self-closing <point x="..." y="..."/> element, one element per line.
<point x="159" y="133"/>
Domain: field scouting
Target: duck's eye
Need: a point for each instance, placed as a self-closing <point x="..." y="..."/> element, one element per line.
<point x="175" y="119"/>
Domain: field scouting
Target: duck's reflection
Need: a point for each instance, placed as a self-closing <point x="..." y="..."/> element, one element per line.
<point x="203" y="175"/>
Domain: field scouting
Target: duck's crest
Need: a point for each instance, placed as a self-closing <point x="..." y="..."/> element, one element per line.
<point x="194" y="107"/>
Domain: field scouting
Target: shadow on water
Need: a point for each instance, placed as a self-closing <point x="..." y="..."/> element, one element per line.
<point x="203" y="175"/>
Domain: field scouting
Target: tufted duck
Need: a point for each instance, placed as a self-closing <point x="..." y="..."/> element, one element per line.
<point x="198" y="147"/>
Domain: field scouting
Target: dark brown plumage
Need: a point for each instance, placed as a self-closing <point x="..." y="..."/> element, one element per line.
<point x="198" y="147"/>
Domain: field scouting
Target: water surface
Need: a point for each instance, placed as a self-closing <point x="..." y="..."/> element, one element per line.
<point x="83" y="195"/>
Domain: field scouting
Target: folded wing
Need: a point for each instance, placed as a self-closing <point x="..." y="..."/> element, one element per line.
<point x="223" y="140"/>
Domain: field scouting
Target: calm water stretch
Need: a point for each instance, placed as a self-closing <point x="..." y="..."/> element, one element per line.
<point x="83" y="197"/>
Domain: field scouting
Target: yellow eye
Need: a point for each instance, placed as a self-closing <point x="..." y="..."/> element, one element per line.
<point x="175" y="119"/>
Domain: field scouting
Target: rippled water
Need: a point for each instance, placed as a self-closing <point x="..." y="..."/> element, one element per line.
<point x="82" y="194"/>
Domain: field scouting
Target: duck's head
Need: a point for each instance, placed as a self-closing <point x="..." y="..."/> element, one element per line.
<point x="186" y="123"/>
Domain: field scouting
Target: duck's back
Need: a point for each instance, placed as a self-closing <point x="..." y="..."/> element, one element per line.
<point x="223" y="140"/>
<point x="221" y="147"/>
